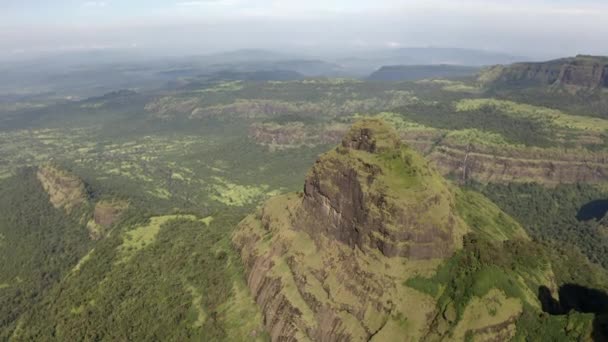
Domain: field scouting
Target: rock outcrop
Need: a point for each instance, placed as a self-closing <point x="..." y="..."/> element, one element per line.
<point x="105" y="214"/>
<point x="331" y="263"/>
<point x="66" y="191"/>
<point x="484" y="164"/>
<point x="373" y="192"/>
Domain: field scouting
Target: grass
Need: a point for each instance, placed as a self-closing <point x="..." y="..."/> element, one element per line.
<point x="207" y="220"/>
<point x="197" y="299"/>
<point x="552" y="116"/>
<point x="242" y="316"/>
<point x="452" y="86"/>
<point x="82" y="261"/>
<point x="491" y="309"/>
<point x="289" y="289"/>
<point x="142" y="236"/>
<point x="224" y="87"/>
<point x="477" y="137"/>
<point x="424" y="285"/>
<point x="485" y="218"/>
<point x="232" y="194"/>
<point x="397" y="121"/>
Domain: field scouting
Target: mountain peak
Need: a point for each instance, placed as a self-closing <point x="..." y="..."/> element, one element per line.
<point x="371" y="135"/>
<point x="330" y="264"/>
<point x="375" y="193"/>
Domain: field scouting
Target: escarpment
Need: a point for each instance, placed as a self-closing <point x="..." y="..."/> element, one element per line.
<point x="586" y="72"/>
<point x="68" y="192"/>
<point x="483" y="164"/>
<point x="332" y="263"/>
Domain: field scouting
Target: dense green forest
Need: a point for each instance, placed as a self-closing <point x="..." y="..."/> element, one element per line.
<point x="557" y="214"/>
<point x="39" y="245"/>
<point x="183" y="286"/>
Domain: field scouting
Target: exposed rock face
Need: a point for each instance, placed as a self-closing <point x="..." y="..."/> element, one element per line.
<point x="581" y="71"/>
<point x="66" y="191"/>
<point x="106" y="213"/>
<point x="549" y="166"/>
<point x="329" y="264"/>
<point x="349" y="196"/>
<point x="544" y="166"/>
<point x="104" y="216"/>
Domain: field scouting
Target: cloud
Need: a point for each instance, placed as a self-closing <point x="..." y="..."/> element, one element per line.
<point x="96" y="4"/>
<point x="526" y="27"/>
<point x="201" y="3"/>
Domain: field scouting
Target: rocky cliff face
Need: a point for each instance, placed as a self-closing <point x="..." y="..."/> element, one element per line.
<point x="105" y="214"/>
<point x="396" y="206"/>
<point x="330" y="264"/>
<point x="66" y="191"/>
<point x="484" y="164"/>
<point x="580" y="72"/>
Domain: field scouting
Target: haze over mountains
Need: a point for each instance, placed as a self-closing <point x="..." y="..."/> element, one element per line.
<point x="83" y="74"/>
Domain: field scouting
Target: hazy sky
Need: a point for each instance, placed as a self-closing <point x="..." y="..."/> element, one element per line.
<point x="533" y="28"/>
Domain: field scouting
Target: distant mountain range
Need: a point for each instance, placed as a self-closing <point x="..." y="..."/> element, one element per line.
<point x="84" y="74"/>
<point x="417" y="72"/>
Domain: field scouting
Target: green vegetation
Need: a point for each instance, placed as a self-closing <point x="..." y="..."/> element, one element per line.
<point x="550" y="214"/>
<point x="516" y="268"/>
<point x="516" y="130"/>
<point x="182" y="286"/>
<point x="40" y="245"/>
<point x="485" y="218"/>
<point x="192" y="162"/>
<point x="554" y="117"/>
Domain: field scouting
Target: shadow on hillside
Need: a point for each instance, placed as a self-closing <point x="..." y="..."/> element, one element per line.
<point x="580" y="299"/>
<point x="593" y="210"/>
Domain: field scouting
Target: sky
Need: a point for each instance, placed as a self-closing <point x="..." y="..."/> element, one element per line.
<point x="535" y="28"/>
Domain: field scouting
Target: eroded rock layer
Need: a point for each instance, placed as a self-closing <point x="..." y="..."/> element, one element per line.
<point x="66" y="191"/>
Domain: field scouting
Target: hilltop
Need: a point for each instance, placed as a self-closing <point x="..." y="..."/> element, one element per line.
<point x="380" y="247"/>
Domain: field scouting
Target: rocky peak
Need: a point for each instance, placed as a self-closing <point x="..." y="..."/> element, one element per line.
<point x="331" y="263"/>
<point x="371" y="135"/>
<point x="375" y="193"/>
